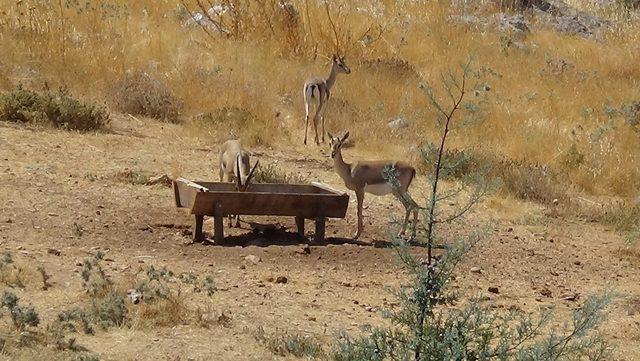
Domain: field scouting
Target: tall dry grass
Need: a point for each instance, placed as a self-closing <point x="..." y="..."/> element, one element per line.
<point x="552" y="97"/>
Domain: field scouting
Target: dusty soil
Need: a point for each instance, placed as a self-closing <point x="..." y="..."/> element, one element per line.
<point x="60" y="191"/>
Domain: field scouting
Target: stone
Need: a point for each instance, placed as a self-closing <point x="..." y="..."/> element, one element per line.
<point x="134" y="295"/>
<point x="493" y="289"/>
<point x="253" y="259"/>
<point x="282" y="279"/>
<point x="397" y="124"/>
<point x="475" y="270"/>
<point x="53" y="251"/>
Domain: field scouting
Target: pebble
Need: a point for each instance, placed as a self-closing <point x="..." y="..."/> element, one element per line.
<point x="475" y="270"/>
<point x="493" y="290"/>
<point x="282" y="279"/>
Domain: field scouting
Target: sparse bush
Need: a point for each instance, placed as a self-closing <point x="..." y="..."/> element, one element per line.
<point x="58" y="109"/>
<point x="94" y="279"/>
<point x="10" y="273"/>
<point x="21" y="316"/>
<point x="631" y="113"/>
<point x="630" y="4"/>
<point x="141" y="94"/>
<point x="109" y="311"/>
<point x="135" y="177"/>
<point x="271" y="173"/>
<point x="285" y="344"/>
<point x="68" y="320"/>
<point x="530" y="182"/>
<point x="621" y="215"/>
<point x="45" y="278"/>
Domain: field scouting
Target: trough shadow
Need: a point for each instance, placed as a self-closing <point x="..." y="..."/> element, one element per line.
<point x="281" y="237"/>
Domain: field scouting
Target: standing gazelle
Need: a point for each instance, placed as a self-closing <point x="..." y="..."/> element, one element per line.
<point x="367" y="176"/>
<point x="234" y="163"/>
<point x="320" y="89"/>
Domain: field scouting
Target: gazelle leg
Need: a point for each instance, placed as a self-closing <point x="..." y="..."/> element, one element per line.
<point x="406" y="220"/>
<point x="307" y="99"/>
<point x="305" y="128"/>
<point x="315" y="129"/>
<point x="322" y="120"/>
<point x="360" y="199"/>
<point x="415" y="223"/>
<point x="237" y="221"/>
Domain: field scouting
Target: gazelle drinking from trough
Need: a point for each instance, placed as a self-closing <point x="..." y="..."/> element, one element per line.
<point x="234" y="162"/>
<point x="369" y="177"/>
<point x="319" y="89"/>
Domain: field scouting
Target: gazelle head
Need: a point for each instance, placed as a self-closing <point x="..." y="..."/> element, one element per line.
<point x="242" y="173"/>
<point x="339" y="63"/>
<point x="336" y="143"/>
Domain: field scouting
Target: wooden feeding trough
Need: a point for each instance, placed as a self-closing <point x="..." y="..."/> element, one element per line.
<point x="315" y="201"/>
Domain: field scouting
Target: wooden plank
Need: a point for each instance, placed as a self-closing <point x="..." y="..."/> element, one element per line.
<point x="264" y="188"/>
<point x="198" y="236"/>
<point x="218" y="223"/>
<point x="192" y="184"/>
<point x="327" y="188"/>
<point x="176" y="193"/>
<point x="250" y="203"/>
<point x="320" y="229"/>
<point x="185" y="192"/>
<point x="300" y="225"/>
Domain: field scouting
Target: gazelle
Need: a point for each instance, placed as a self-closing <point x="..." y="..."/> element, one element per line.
<point x="320" y="89"/>
<point x="367" y="176"/>
<point x="234" y="162"/>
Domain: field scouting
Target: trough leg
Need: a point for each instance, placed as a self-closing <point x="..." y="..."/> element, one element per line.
<point x="218" y="223"/>
<point x="320" y="227"/>
<point x="300" y="225"/>
<point x="197" y="229"/>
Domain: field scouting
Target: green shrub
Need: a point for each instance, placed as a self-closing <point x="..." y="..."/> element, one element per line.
<point x="58" y="109"/>
<point x="94" y="279"/>
<point x="109" y="311"/>
<point x="21" y="316"/>
<point x="140" y="94"/>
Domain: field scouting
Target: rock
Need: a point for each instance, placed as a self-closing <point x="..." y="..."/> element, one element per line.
<point x="512" y="23"/>
<point x="11" y="221"/>
<point x="134" y="295"/>
<point x="304" y="250"/>
<point x="475" y="270"/>
<point x="546" y="292"/>
<point x="570" y="296"/>
<point x="161" y="179"/>
<point x="282" y="279"/>
<point x="19" y="248"/>
<point x="253" y="259"/>
<point x="53" y="251"/>
<point x="577" y="263"/>
<point x="397" y="124"/>
<point x="493" y="290"/>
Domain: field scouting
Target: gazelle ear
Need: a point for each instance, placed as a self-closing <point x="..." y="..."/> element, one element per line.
<point x="345" y="137"/>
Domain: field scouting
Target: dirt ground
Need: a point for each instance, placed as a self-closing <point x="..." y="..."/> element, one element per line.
<point x="59" y="191"/>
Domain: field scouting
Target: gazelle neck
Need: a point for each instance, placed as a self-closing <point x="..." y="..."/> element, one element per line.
<point x="343" y="169"/>
<point x="331" y="79"/>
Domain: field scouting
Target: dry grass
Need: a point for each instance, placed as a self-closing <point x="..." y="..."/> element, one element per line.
<point x="535" y="110"/>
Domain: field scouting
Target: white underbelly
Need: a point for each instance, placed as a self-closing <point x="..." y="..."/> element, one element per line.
<point x="378" y="189"/>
